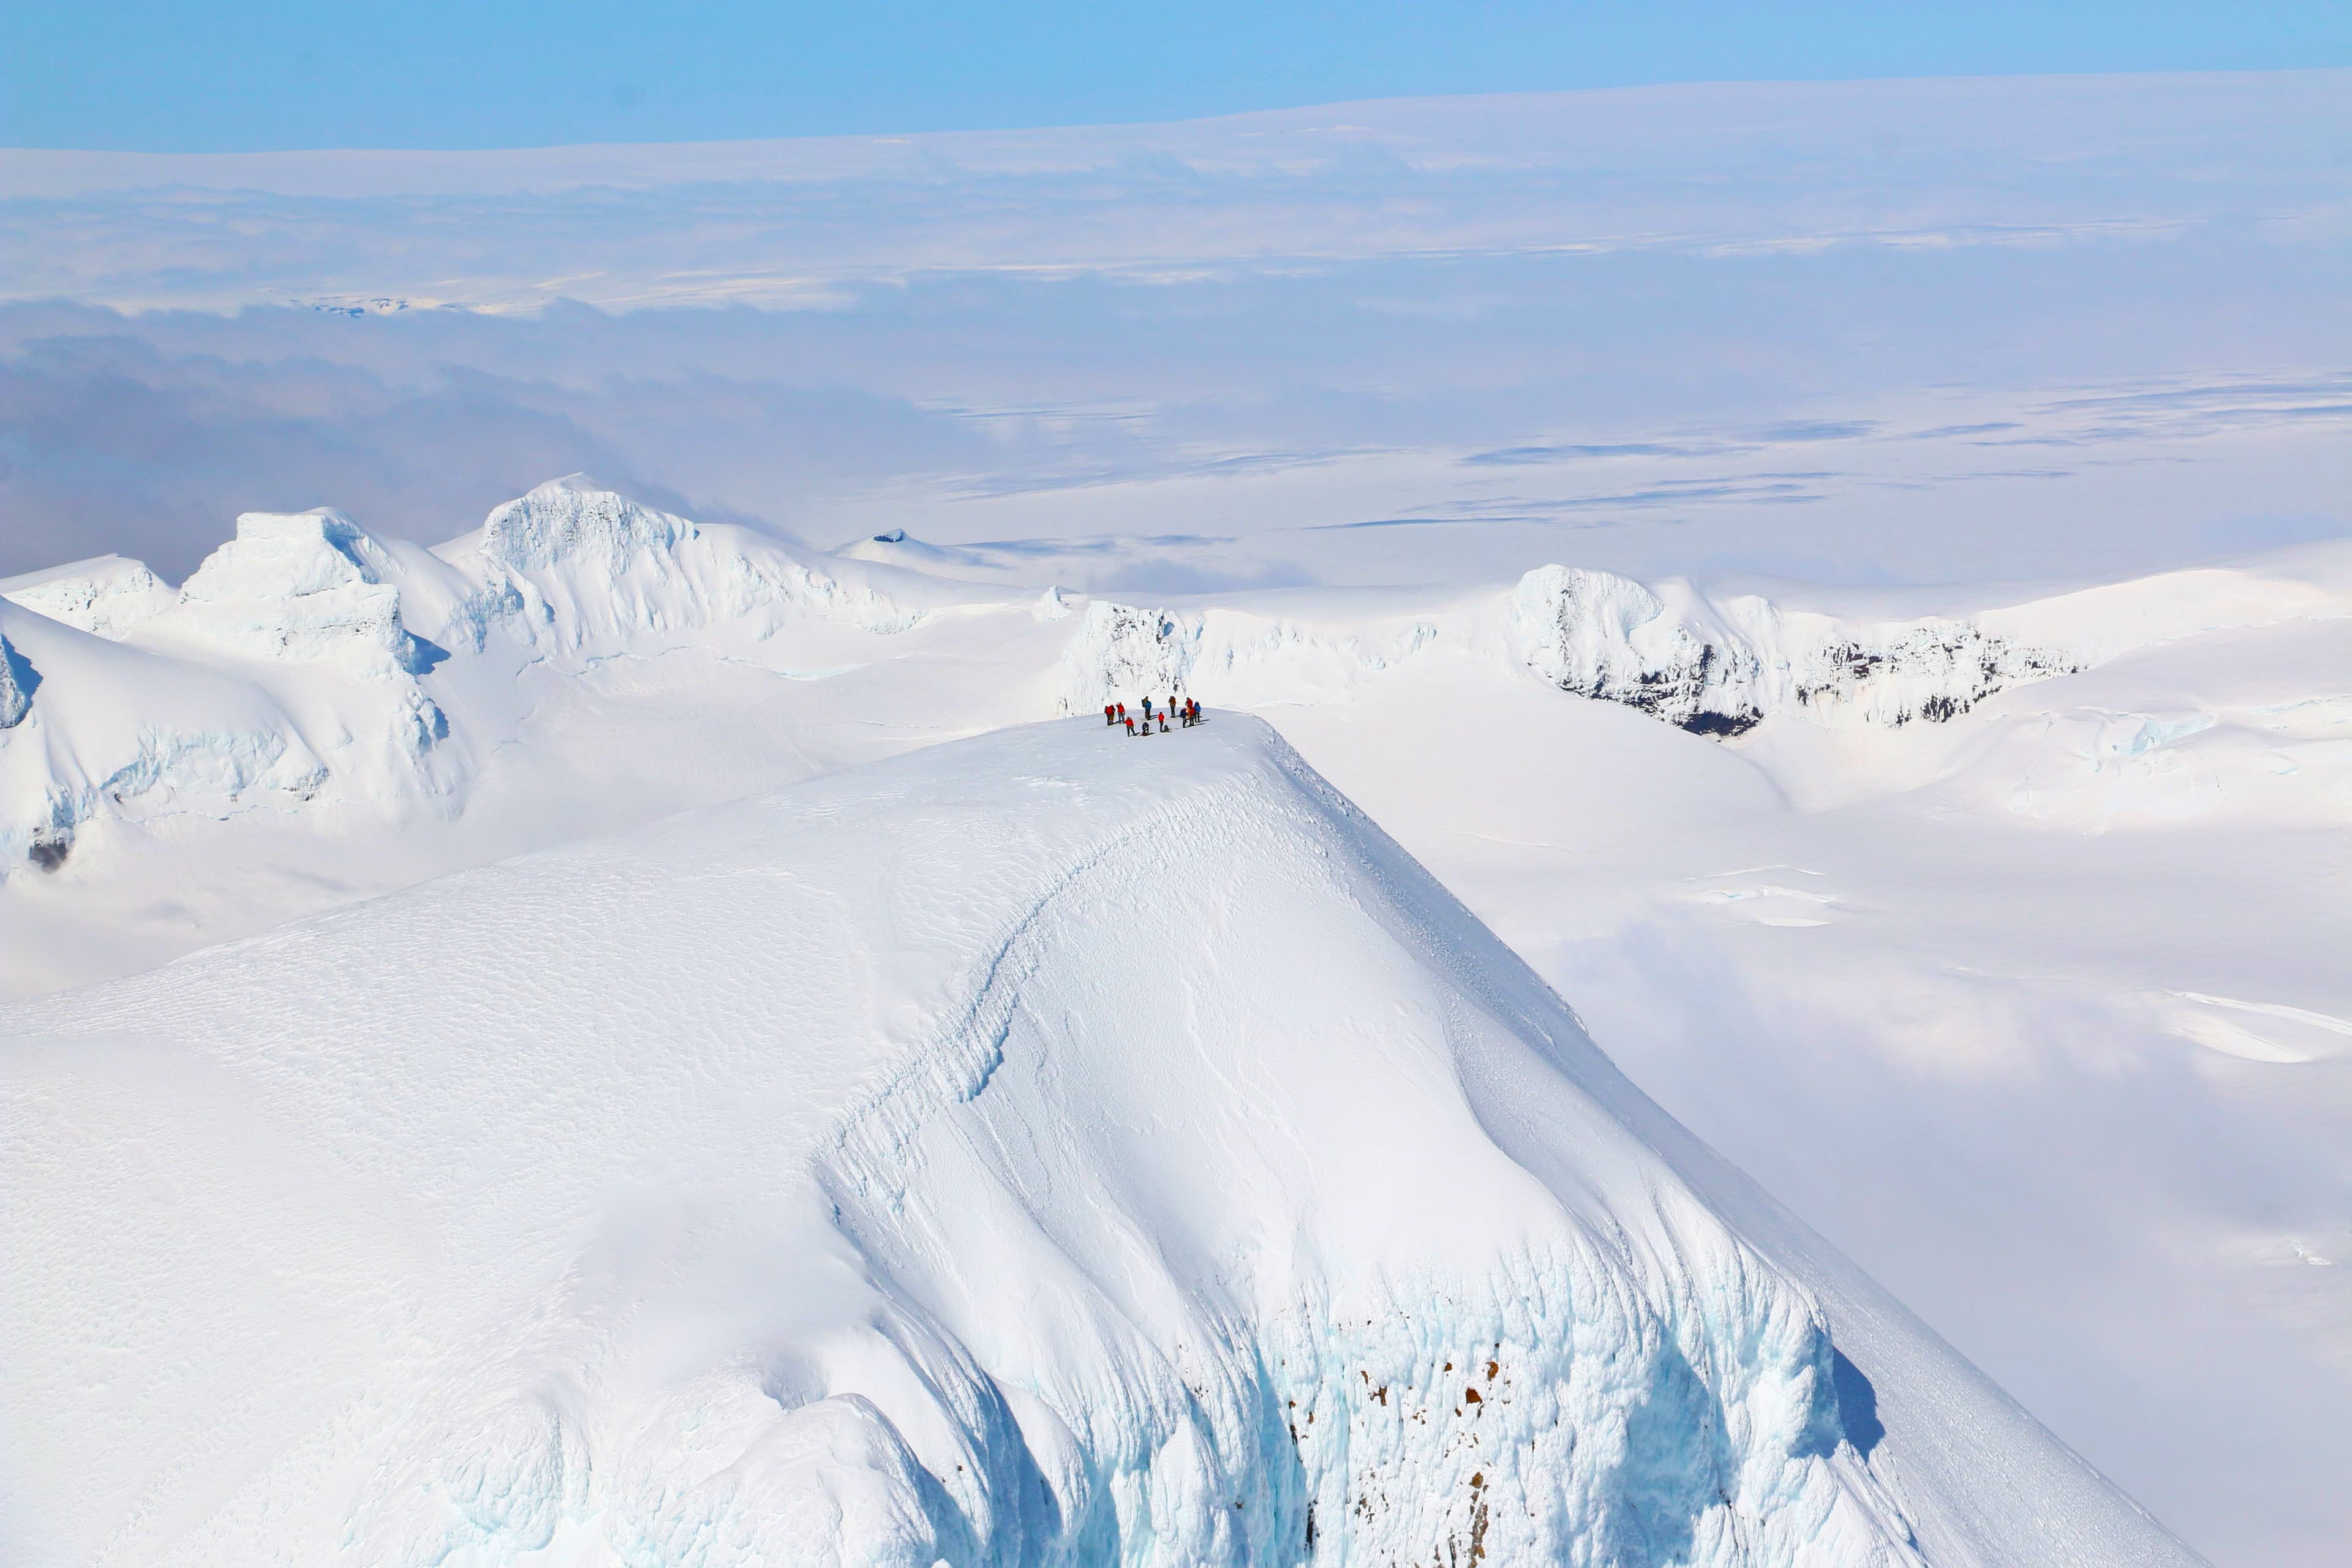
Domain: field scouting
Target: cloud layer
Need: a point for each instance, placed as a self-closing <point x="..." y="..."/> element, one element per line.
<point x="1871" y="330"/>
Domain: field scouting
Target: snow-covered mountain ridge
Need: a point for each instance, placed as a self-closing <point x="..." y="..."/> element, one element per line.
<point x="1756" y="920"/>
<point x="310" y="666"/>
<point x="1036" y="1150"/>
<point x="305" y="660"/>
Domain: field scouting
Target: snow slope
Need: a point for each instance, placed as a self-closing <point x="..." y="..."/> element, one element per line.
<point x="324" y="648"/>
<point x="1048" y="1148"/>
<point x="312" y="640"/>
<point x="2005" y="944"/>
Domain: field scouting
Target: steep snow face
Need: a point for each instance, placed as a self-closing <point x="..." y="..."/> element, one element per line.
<point x="104" y="728"/>
<point x="107" y="595"/>
<point x="18" y="679"/>
<point x="337" y="642"/>
<point x="576" y="518"/>
<point x="572" y="567"/>
<point x="300" y="586"/>
<point x="1719" y="671"/>
<point x="1121" y="651"/>
<point x="1045" y="1149"/>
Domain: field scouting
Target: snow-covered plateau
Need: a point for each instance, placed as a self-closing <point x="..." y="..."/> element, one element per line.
<point x="616" y="1040"/>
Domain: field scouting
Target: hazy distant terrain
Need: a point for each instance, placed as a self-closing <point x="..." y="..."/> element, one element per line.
<point x="1853" y="583"/>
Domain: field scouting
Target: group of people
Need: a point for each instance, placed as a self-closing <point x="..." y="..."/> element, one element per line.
<point x="1185" y="711"/>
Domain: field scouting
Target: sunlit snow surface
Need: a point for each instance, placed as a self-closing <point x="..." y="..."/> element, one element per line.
<point x="1814" y="567"/>
<point x="1092" y="1107"/>
<point x="1043" y="1148"/>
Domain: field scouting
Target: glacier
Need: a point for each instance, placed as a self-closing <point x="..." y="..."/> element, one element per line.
<point x="1971" y="807"/>
<point x="376" y="677"/>
<point x="1039" y="1149"/>
<point x="1845" y="580"/>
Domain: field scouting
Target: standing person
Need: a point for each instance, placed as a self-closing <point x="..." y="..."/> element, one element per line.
<point x="1130" y="728"/>
<point x="1122" y="710"/>
<point x="1163" y="721"/>
<point x="1108" y="717"/>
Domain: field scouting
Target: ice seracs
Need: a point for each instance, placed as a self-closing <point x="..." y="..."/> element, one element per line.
<point x="108" y="595"/>
<point x="1042" y="1148"/>
<point x="300" y="586"/>
<point x="575" y="518"/>
<point x="117" y="731"/>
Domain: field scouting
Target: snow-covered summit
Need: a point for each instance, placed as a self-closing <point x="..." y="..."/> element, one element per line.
<point x="338" y="638"/>
<point x="576" y="517"/>
<point x="298" y="586"/>
<point x="108" y="595"/>
<point x="1053" y="1148"/>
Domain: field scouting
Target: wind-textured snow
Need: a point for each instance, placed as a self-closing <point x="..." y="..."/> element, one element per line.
<point x="1045" y="1149"/>
<point x="1828" y="937"/>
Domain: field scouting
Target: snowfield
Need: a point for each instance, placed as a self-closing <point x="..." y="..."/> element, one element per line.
<point x="1092" y="1114"/>
<point x="661" y="1028"/>
<point x="309" y="663"/>
<point x="1045" y="1148"/>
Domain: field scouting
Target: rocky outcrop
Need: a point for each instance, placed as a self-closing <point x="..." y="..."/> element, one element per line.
<point x="1721" y="669"/>
<point x="18" y="679"/>
<point x="1124" y="653"/>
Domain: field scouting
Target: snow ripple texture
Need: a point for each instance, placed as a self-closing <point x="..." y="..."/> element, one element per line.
<point x="1043" y="1149"/>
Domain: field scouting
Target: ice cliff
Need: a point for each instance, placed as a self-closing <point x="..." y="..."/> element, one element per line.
<point x="1721" y="668"/>
<point x="378" y="675"/>
<point x="108" y="595"/>
<point x="18" y="679"/>
<point x="1039" y="1150"/>
<point x="1714" y="667"/>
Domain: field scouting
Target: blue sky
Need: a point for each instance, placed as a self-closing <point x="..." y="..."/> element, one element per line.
<point x="243" y="75"/>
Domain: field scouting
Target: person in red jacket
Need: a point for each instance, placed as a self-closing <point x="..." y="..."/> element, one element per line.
<point x="1130" y="725"/>
<point x="1108" y="717"/>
